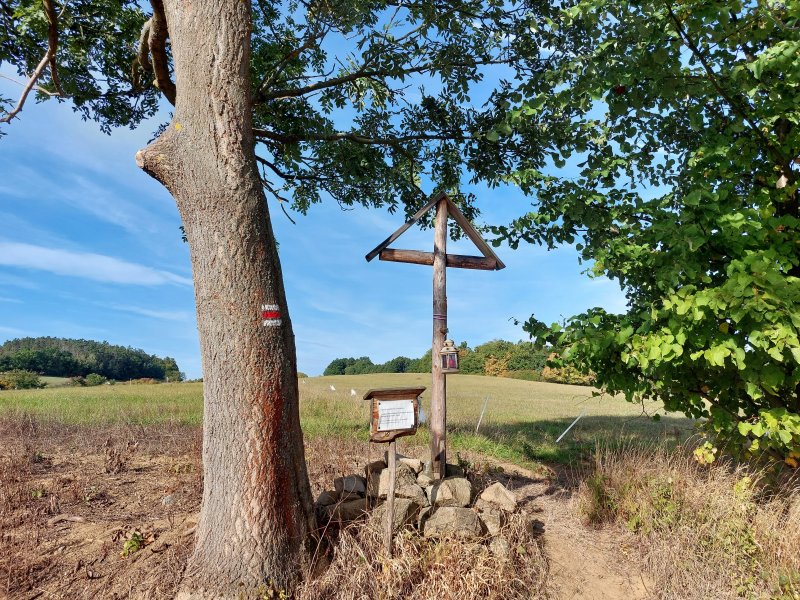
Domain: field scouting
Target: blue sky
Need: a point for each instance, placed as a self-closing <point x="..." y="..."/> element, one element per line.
<point x="90" y="248"/>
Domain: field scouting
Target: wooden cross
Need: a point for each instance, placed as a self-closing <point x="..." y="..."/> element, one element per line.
<point x="439" y="258"/>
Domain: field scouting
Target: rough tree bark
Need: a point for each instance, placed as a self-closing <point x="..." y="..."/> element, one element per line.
<point x="256" y="514"/>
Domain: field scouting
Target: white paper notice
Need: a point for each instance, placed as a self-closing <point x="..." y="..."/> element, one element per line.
<point x="395" y="414"/>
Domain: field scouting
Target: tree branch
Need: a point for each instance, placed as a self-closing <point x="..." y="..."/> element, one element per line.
<point x="143" y="56"/>
<point x="52" y="41"/>
<point x="47" y="59"/>
<point x="38" y="88"/>
<point x="290" y="56"/>
<point x="712" y="77"/>
<point x="158" y="51"/>
<point x="352" y="137"/>
<point x="364" y="74"/>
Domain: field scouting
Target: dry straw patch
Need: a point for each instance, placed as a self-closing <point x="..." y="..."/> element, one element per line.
<point x="423" y="568"/>
<point x="701" y="532"/>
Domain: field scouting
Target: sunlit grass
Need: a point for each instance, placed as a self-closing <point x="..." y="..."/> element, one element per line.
<point x="180" y="403"/>
<point x="521" y="422"/>
<point x="53" y="381"/>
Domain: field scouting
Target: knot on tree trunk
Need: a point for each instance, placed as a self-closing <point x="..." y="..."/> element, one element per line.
<point x="159" y="159"/>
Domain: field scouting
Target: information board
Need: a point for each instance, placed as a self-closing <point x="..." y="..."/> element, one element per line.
<point x="395" y="414"/>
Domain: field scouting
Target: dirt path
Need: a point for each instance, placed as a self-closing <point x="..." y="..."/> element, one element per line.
<point x="584" y="563"/>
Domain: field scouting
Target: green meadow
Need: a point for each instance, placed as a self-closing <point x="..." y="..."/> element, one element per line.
<point x="521" y="422"/>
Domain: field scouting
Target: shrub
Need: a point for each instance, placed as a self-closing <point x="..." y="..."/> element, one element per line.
<point x="496" y="367"/>
<point x="94" y="379"/>
<point x="556" y="372"/>
<point x="526" y="374"/>
<point x="18" y="379"/>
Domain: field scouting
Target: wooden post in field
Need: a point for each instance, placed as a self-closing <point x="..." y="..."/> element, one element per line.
<point x="440" y="261"/>
<point x="438" y="416"/>
<point x="387" y="539"/>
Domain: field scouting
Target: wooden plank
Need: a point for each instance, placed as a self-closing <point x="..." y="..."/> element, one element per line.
<point x="390" y="498"/>
<point x="438" y="419"/>
<point x="457" y="261"/>
<point x="417" y="216"/>
<point x="397" y="392"/>
<point x="473" y="234"/>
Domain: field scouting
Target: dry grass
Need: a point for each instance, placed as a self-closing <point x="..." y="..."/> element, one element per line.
<point x="425" y="569"/>
<point x="701" y="532"/>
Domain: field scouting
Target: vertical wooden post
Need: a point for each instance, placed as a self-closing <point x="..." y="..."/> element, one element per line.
<point x="439" y="387"/>
<point x="387" y="540"/>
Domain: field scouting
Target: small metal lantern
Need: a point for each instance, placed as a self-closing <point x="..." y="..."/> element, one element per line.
<point x="449" y="357"/>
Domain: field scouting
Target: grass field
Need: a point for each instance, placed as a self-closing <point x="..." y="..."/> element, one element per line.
<point x="53" y="381"/>
<point x="521" y="422"/>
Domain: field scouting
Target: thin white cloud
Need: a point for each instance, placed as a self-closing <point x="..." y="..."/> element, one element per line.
<point x="82" y="194"/>
<point x="86" y="265"/>
<point x="108" y="206"/>
<point x="165" y="315"/>
<point x="11" y="331"/>
<point x="12" y="300"/>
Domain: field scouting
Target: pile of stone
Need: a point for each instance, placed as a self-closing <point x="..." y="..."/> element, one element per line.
<point x="447" y="507"/>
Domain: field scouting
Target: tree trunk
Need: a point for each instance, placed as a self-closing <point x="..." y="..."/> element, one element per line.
<point x="256" y="514"/>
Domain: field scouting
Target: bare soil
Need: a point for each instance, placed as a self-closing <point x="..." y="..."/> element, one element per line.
<point x="109" y="512"/>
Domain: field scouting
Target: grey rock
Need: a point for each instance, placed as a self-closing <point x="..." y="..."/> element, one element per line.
<point x="453" y="521"/>
<point x="424" y="480"/>
<point x="351" y="483"/>
<point x="344" y="512"/>
<point x="375" y="466"/>
<point x="347" y="496"/>
<point x="498" y="495"/>
<point x="378" y="484"/>
<point x="414" y="492"/>
<point x="453" y="491"/>
<point x="500" y="547"/>
<point x="423" y="515"/>
<point x="415" y="464"/>
<point x="405" y="513"/>
<point x="327" y="498"/>
<point x="492" y="519"/>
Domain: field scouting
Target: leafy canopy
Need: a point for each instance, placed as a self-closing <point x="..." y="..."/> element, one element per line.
<point x="362" y="101"/>
<point x="676" y="129"/>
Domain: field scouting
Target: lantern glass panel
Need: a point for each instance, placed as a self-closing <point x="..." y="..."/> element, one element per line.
<point x="452" y="361"/>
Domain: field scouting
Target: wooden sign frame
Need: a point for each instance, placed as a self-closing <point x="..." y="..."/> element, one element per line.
<point x="392" y="395"/>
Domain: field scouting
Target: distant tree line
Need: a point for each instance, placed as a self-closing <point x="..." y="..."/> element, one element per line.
<point x="62" y="357"/>
<point x="497" y="358"/>
<point x="363" y="365"/>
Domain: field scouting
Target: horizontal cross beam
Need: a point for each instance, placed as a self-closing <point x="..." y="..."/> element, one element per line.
<point x="426" y="258"/>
